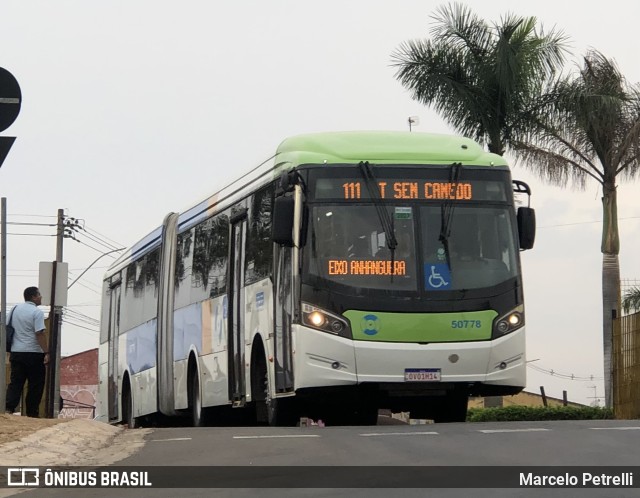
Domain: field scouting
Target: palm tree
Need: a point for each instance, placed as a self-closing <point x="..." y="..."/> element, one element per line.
<point x="591" y="131"/>
<point x="484" y="80"/>
<point x="631" y="300"/>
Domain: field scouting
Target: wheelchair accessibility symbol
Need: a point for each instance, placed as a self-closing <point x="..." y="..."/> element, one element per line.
<point x="437" y="276"/>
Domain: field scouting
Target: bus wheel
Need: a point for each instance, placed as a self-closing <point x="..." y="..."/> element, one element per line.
<point x="269" y="410"/>
<point x="127" y="407"/>
<point x="195" y="401"/>
<point x="282" y="412"/>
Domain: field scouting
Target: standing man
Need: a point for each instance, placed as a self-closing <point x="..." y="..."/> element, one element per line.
<point x="28" y="356"/>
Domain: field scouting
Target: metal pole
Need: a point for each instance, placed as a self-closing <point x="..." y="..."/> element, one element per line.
<point x="53" y="389"/>
<point x="58" y="320"/>
<point x="3" y="305"/>
<point x="51" y="384"/>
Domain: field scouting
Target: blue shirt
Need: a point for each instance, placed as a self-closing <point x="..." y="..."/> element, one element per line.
<point x="27" y="320"/>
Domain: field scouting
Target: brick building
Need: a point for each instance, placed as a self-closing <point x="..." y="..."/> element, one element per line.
<point x="79" y="384"/>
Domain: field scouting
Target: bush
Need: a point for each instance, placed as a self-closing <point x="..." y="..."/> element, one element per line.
<point x="513" y="413"/>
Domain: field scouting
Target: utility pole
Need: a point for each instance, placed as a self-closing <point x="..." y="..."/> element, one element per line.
<point x="595" y="397"/>
<point x="55" y="321"/>
<point x="413" y="120"/>
<point x="3" y="305"/>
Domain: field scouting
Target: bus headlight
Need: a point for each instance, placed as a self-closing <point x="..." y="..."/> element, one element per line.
<point x="325" y="321"/>
<point x="508" y="323"/>
<point x="317" y="318"/>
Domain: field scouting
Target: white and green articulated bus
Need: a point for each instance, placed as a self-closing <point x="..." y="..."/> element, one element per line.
<point x="350" y="272"/>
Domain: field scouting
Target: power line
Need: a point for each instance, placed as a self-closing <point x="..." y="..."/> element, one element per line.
<point x="93" y="331"/>
<point x="89" y="288"/>
<point x="554" y="373"/>
<point x="586" y="222"/>
<point x="98" y="240"/>
<point x="70" y="269"/>
<point x="81" y="318"/>
<point x="117" y="244"/>
<point x="81" y="274"/>
<point x="88" y="284"/>
<point x="84" y="323"/>
<point x="31" y="234"/>
<point x="78" y="225"/>
<point x="33" y="215"/>
<point x="31" y="224"/>
<point x="72" y="311"/>
<point x="104" y="241"/>
<point x="77" y="315"/>
<point x="89" y="246"/>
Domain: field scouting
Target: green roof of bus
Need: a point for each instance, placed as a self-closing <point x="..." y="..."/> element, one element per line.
<point x="383" y="148"/>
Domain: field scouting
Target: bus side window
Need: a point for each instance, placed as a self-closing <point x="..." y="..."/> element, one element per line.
<point x="259" y="247"/>
<point x="183" y="270"/>
<point x="210" y="255"/>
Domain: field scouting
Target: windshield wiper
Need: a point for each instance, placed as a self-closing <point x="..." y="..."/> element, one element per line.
<point x="383" y="215"/>
<point x="446" y="212"/>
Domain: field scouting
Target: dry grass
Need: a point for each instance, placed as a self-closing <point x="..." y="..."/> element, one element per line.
<point x="14" y="427"/>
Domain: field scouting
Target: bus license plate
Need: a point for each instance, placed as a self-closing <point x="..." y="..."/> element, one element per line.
<point x="422" y="375"/>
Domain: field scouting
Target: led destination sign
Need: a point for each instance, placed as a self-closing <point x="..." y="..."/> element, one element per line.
<point x="410" y="189"/>
<point x="366" y="267"/>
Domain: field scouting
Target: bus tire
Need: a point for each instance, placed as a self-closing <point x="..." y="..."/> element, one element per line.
<point x="127" y="406"/>
<point x="272" y="411"/>
<point x="195" y="400"/>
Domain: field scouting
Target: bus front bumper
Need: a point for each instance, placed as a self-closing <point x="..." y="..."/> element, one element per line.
<point x="324" y="360"/>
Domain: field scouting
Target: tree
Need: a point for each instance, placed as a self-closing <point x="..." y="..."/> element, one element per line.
<point x="591" y="130"/>
<point x="484" y="80"/>
<point x="494" y="83"/>
<point x="631" y="300"/>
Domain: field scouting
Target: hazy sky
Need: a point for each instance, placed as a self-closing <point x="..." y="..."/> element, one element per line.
<point x="132" y="109"/>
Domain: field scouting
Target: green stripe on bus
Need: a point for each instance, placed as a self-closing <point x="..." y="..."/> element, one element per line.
<point x="421" y="327"/>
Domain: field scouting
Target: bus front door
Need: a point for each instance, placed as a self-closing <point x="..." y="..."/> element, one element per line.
<point x="237" y="381"/>
<point x="114" y="333"/>
<point x="283" y="313"/>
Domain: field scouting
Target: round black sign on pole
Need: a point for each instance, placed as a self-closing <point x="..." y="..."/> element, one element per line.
<point x="10" y="99"/>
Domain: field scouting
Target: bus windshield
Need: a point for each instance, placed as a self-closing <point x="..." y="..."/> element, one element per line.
<point x="347" y="245"/>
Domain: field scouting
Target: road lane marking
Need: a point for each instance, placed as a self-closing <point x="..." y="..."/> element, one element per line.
<point x="615" y="428"/>
<point x="495" y="431"/>
<point x="372" y="434"/>
<point x="171" y="439"/>
<point x="274" y="437"/>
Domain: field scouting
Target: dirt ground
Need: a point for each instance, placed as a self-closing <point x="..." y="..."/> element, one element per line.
<point x="14" y="427"/>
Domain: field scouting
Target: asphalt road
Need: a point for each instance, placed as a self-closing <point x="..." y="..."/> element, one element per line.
<point x="376" y="450"/>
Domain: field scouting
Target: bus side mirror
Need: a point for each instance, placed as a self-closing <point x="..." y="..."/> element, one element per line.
<point x="282" y="229"/>
<point x="526" y="227"/>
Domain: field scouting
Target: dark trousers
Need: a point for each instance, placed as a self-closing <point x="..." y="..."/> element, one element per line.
<point x="26" y="367"/>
